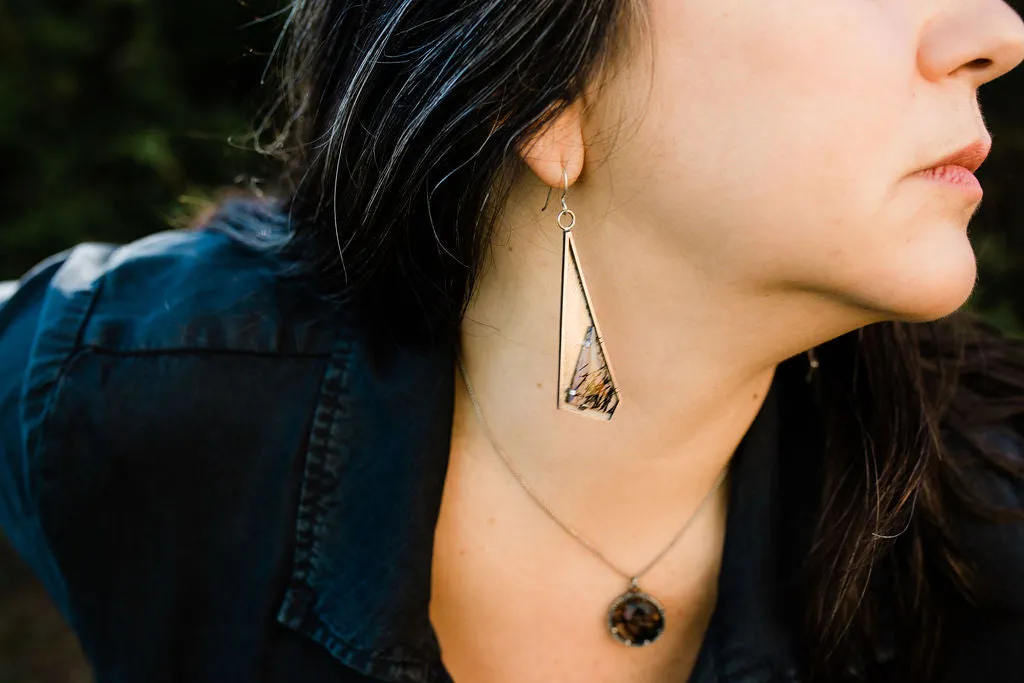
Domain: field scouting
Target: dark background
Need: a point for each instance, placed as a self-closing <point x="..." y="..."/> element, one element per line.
<point x="119" y="117"/>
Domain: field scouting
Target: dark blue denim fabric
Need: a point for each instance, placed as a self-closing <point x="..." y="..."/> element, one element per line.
<point x="221" y="478"/>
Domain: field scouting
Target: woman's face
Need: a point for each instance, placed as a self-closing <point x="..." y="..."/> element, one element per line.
<point x="778" y="144"/>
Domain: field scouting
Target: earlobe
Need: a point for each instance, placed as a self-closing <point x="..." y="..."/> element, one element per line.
<point x="558" y="146"/>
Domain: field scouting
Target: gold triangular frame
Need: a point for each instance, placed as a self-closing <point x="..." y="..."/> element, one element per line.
<point x="576" y="314"/>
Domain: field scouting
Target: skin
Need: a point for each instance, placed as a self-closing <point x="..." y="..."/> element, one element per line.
<point x="759" y="201"/>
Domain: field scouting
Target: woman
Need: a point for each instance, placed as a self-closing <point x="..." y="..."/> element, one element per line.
<point x="339" y="431"/>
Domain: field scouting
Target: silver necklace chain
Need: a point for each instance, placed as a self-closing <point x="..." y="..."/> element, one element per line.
<point x="568" y="527"/>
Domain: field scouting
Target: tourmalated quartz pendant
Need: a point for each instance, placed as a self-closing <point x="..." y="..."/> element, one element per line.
<point x="636" y="618"/>
<point x="585" y="380"/>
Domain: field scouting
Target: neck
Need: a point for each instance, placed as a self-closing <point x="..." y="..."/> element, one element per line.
<point x="694" y="355"/>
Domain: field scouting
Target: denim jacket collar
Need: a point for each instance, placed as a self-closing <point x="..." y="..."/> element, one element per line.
<point x="375" y="467"/>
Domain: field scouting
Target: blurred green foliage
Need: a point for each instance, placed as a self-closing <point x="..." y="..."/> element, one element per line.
<point x="116" y="114"/>
<point x="112" y="111"/>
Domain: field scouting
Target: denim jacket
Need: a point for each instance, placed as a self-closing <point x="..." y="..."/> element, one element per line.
<point x="220" y="478"/>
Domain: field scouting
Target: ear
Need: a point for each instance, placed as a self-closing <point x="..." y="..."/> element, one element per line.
<point x="559" y="145"/>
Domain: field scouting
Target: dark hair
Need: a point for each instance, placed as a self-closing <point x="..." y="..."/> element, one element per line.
<point x="398" y="124"/>
<point x="401" y="121"/>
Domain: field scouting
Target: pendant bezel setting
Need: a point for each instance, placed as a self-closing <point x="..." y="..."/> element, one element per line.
<point x="617" y="621"/>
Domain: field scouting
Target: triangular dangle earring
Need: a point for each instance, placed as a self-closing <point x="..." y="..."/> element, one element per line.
<point x="586" y="383"/>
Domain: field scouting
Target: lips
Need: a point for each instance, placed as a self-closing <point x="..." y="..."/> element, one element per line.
<point x="970" y="157"/>
<point x="957" y="169"/>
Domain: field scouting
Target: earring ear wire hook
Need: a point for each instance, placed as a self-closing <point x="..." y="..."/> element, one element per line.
<point x="565" y="191"/>
<point x="565" y="188"/>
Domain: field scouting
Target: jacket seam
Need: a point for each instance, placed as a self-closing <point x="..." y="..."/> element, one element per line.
<point x="53" y="393"/>
<point x="326" y="453"/>
<point x="299" y="593"/>
<point x="200" y="350"/>
<point x="37" y="458"/>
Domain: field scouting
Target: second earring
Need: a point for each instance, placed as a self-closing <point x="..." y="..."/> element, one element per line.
<point x="586" y="383"/>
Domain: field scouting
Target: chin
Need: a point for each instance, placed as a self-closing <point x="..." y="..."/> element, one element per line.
<point x="924" y="281"/>
<point x="933" y="288"/>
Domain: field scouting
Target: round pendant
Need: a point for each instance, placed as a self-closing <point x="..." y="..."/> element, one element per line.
<point x="636" y="618"/>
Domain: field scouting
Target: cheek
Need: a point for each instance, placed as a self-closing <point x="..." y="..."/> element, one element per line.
<point x="779" y="129"/>
<point x="776" y="146"/>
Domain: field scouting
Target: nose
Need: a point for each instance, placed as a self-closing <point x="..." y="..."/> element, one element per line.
<point x="979" y="40"/>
